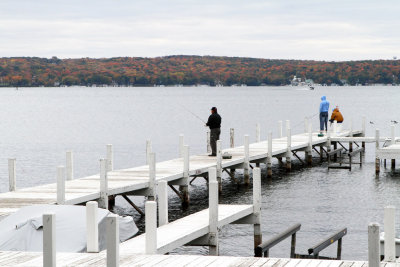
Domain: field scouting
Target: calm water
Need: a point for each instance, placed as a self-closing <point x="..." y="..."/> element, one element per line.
<point x="39" y="124"/>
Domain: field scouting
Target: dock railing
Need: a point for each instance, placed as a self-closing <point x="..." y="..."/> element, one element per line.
<point x="267" y="245"/>
<point x="315" y="250"/>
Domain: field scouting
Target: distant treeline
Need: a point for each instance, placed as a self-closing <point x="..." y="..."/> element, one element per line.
<point x="191" y="70"/>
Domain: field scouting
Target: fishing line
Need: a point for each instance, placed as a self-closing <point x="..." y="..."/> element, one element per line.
<point x="192" y="113"/>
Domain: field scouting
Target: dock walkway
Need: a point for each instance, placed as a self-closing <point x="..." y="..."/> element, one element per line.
<point x="137" y="180"/>
<point x="34" y="259"/>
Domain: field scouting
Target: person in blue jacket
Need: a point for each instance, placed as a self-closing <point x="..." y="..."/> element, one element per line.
<point x="323" y="114"/>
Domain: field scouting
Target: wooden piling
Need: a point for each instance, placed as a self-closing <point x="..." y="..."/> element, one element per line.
<point x="60" y="185"/>
<point x="269" y="157"/>
<point x="112" y="240"/>
<point x="185" y="187"/>
<point x="103" y="201"/>
<point x="219" y="166"/>
<point x="162" y="191"/>
<point x="246" y="160"/>
<point x="152" y="177"/>
<point x="374" y="256"/>
<point x="389" y="226"/>
<point x="213" y="212"/>
<point x="110" y="158"/>
<point x="377" y="160"/>
<point x="257" y="206"/>
<point x="49" y="240"/>
<point x="92" y="227"/>
<point x="334" y="148"/>
<point x="258" y="133"/>
<point x="12" y="174"/>
<point x="151" y="227"/>
<point x="288" y="150"/>
<point x="69" y="166"/>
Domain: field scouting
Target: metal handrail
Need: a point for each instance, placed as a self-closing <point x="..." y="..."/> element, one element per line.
<point x="327" y="242"/>
<point x="265" y="246"/>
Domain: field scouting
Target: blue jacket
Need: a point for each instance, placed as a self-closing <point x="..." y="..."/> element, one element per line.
<point x="324" y="106"/>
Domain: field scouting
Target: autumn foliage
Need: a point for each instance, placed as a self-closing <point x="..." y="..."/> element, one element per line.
<point x="190" y="70"/>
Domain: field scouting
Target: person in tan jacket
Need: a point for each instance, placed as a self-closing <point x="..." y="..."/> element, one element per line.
<point x="336" y="116"/>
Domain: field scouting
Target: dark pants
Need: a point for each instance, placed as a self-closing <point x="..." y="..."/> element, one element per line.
<point x="323" y="120"/>
<point x="214" y="136"/>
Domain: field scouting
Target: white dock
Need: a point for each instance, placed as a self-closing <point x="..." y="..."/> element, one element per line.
<point x="73" y="259"/>
<point x="138" y="180"/>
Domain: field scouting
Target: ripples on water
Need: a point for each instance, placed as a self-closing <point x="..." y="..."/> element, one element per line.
<point x="40" y="124"/>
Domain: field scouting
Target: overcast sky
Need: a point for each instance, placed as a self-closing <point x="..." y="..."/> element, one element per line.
<point x="284" y="29"/>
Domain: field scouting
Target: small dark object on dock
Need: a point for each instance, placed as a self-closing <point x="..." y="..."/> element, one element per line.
<point x="226" y="155"/>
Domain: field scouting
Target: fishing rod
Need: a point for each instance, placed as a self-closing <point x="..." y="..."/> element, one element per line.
<point x="192" y="113"/>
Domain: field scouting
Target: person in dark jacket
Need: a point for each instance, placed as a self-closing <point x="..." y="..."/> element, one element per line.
<point x="214" y="122"/>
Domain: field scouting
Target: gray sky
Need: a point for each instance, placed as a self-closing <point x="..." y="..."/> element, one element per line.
<point x="284" y="29"/>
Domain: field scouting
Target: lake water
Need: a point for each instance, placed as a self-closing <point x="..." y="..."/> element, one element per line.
<point x="39" y="124"/>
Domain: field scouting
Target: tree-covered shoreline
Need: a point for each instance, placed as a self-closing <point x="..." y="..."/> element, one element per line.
<point x="191" y="70"/>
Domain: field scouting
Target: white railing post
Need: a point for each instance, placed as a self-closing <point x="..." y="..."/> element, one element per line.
<point x="258" y="133"/>
<point x="181" y="144"/>
<point x="208" y="142"/>
<point x="393" y="137"/>
<point x="148" y="151"/>
<point x="363" y="126"/>
<point x="112" y="240"/>
<point x="69" y="165"/>
<point x="389" y="226"/>
<point x="110" y="158"/>
<point x="335" y="128"/>
<point x="60" y="185"/>
<point x="374" y="256"/>
<point x="213" y="212"/>
<point x="232" y="137"/>
<point x="103" y="201"/>
<point x="152" y="176"/>
<point x="305" y="124"/>
<point x="246" y="160"/>
<point x="377" y="138"/>
<point x="49" y="240"/>
<point x="377" y="160"/>
<point x="219" y="165"/>
<point x="280" y="129"/>
<point x="309" y="148"/>
<point x="162" y="190"/>
<point x="289" y="149"/>
<point x="257" y="206"/>
<point x="151" y="227"/>
<point x="287" y="125"/>
<point x="12" y="174"/>
<point x="92" y="227"/>
<point x="184" y="188"/>
<point x="351" y="127"/>
<point x="269" y="156"/>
